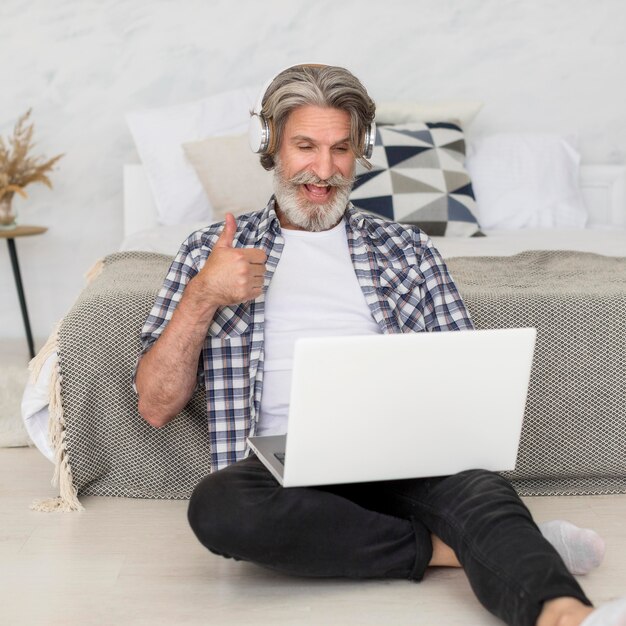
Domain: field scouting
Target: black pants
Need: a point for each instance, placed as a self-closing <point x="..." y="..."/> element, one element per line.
<point x="382" y="530"/>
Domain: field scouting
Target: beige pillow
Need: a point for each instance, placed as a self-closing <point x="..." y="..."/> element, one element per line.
<point x="230" y="173"/>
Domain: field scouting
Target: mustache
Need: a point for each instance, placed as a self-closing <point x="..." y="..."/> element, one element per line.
<point x="309" y="178"/>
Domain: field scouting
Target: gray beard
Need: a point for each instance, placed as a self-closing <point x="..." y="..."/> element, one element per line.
<point x="310" y="215"/>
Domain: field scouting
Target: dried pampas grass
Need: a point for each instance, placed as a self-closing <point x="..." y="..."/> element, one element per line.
<point x="17" y="167"/>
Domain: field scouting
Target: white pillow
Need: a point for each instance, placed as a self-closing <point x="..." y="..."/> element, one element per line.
<point x="159" y="135"/>
<point x="231" y="174"/>
<point x="463" y="111"/>
<point x="526" y="180"/>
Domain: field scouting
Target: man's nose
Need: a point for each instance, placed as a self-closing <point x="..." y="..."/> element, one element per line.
<point x="324" y="165"/>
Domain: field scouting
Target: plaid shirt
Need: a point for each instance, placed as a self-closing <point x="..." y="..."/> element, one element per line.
<point x="402" y="276"/>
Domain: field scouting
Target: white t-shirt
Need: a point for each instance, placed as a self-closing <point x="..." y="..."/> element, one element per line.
<point x="314" y="292"/>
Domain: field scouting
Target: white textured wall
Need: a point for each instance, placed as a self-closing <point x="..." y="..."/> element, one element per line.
<point x="81" y="64"/>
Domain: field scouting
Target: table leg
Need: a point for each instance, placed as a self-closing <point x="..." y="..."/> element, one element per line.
<point x="20" y="293"/>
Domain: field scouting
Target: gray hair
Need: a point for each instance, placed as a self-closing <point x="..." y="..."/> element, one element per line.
<point x="317" y="85"/>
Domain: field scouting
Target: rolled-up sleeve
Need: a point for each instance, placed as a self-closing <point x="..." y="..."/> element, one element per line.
<point x="181" y="271"/>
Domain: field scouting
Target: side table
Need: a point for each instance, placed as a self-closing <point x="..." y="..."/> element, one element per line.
<point x="10" y="236"/>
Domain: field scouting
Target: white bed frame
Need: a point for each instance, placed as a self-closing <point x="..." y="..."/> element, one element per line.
<point x="603" y="188"/>
<point x="604" y="192"/>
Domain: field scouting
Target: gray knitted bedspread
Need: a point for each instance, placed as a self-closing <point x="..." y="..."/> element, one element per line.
<point x="574" y="433"/>
<point x="112" y="450"/>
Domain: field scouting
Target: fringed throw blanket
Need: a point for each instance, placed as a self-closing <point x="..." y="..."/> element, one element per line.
<point x="574" y="434"/>
<point x="103" y="446"/>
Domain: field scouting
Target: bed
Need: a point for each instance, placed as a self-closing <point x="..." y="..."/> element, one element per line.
<point x="556" y="260"/>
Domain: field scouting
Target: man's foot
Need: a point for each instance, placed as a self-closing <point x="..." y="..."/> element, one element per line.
<point x="572" y="612"/>
<point x="582" y="549"/>
<point x="610" y="614"/>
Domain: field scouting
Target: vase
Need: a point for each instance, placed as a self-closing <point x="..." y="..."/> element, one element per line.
<point x="8" y="213"/>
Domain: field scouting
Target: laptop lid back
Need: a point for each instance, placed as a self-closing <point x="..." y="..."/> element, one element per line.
<point x="385" y="407"/>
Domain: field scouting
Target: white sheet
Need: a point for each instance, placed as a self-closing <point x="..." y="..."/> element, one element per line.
<point x="161" y="239"/>
<point x="508" y="242"/>
<point x="35" y="408"/>
<point x="167" y="240"/>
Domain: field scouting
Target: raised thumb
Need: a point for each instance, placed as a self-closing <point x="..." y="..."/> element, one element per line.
<point x="228" y="234"/>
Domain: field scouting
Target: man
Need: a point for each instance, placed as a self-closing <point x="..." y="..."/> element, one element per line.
<point x="236" y="298"/>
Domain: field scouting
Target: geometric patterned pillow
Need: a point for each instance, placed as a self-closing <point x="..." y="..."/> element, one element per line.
<point x="418" y="178"/>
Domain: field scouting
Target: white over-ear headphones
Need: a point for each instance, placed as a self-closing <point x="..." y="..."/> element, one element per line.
<point x="261" y="134"/>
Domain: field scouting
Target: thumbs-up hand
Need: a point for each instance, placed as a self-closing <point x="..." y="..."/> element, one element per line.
<point x="228" y="233"/>
<point x="230" y="275"/>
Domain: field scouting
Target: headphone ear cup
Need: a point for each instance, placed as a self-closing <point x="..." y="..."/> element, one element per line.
<point x="369" y="141"/>
<point x="259" y="134"/>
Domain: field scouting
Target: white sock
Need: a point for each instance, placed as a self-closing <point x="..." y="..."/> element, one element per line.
<point x="610" y="614"/>
<point x="582" y="549"/>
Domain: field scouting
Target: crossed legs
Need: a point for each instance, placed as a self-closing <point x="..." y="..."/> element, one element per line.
<point x="383" y="530"/>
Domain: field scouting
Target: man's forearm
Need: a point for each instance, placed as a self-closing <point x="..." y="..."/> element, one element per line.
<point x="167" y="373"/>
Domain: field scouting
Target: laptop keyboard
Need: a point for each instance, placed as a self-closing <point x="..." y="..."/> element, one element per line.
<point x="280" y="456"/>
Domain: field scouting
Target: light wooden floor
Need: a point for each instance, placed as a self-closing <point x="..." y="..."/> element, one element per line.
<point x="15" y="351"/>
<point x="125" y="561"/>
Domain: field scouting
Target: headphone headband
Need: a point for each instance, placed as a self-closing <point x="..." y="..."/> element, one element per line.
<point x="261" y="134"/>
<point x="258" y="107"/>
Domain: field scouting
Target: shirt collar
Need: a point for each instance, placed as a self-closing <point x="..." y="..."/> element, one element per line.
<point x="268" y="220"/>
<point x="354" y="217"/>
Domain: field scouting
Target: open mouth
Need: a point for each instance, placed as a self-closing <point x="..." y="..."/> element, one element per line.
<point x="318" y="192"/>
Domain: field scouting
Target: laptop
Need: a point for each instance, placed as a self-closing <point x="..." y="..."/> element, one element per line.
<point x="384" y="407"/>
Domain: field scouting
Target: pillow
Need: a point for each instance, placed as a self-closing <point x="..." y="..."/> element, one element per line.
<point x="407" y="112"/>
<point x="159" y="135"/>
<point x="418" y="178"/>
<point x="231" y="174"/>
<point x="526" y="180"/>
